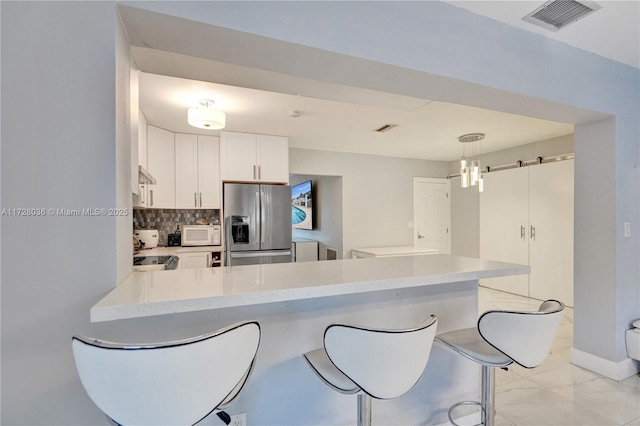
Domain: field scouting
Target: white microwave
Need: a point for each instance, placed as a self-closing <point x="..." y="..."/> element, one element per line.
<point x="200" y="235"/>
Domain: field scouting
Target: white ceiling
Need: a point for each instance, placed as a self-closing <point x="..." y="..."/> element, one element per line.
<point x="426" y="129"/>
<point x="342" y="118"/>
<point x="612" y="31"/>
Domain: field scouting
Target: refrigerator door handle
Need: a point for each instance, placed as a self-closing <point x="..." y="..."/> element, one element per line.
<point x="262" y="217"/>
<point x="240" y="254"/>
<point x="258" y="216"/>
<point x="227" y="241"/>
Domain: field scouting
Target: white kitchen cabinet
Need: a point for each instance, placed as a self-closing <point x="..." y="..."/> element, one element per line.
<point x="249" y="157"/>
<point x="305" y="250"/>
<point x="134" y="124"/>
<point x="193" y="260"/>
<point x="209" y="172"/>
<point x="161" y="165"/>
<point x="205" y="258"/>
<point x="273" y="158"/>
<point x="142" y="140"/>
<point x="526" y="217"/>
<point x="197" y="171"/>
<point x="141" y="196"/>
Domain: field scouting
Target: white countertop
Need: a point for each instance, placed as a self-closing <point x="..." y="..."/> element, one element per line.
<point x="186" y="290"/>
<point x="393" y="251"/>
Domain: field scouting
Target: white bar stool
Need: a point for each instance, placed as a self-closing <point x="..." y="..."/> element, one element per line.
<point x="500" y="339"/>
<point x="382" y="364"/>
<point x="171" y="383"/>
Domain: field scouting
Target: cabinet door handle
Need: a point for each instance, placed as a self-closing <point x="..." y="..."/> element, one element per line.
<point x="255" y="177"/>
<point x="420" y="236"/>
<point x="151" y="198"/>
<point x="522" y="232"/>
<point x="259" y="172"/>
<point x="200" y="199"/>
<point x="141" y="191"/>
<point x="195" y="199"/>
<point x="533" y="233"/>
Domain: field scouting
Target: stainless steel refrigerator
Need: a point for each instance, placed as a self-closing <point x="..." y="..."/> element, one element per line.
<point x="257" y="222"/>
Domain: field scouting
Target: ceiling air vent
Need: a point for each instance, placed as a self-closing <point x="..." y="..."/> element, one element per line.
<point x="557" y="14"/>
<point x="385" y="128"/>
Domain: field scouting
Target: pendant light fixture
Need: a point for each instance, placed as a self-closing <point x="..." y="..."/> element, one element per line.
<point x="205" y="117"/>
<point x="470" y="174"/>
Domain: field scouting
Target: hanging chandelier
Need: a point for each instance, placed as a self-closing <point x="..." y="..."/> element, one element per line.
<point x="470" y="174"/>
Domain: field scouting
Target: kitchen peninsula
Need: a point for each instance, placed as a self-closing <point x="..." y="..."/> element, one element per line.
<point x="167" y="292"/>
<point x="294" y="303"/>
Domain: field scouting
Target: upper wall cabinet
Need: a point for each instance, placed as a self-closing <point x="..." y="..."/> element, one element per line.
<point x="161" y="165"/>
<point x="142" y="141"/>
<point x="139" y="156"/>
<point x="249" y="157"/>
<point x="197" y="172"/>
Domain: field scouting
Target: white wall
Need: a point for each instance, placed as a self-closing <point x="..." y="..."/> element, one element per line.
<point x="377" y="193"/>
<point x="58" y="151"/>
<point x="531" y="151"/>
<point x="123" y="150"/>
<point x="465" y="203"/>
<point x="327" y="213"/>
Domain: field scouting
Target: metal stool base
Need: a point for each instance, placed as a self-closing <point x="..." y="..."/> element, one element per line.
<point x="454" y="406"/>
<point x="487" y="399"/>
<point x="364" y="409"/>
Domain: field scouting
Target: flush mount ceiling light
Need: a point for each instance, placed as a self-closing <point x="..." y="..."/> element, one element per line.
<point x="205" y="117"/>
<point x="557" y="14"/>
<point x="470" y="174"/>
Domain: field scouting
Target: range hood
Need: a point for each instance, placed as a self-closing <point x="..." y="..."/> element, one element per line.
<point x="144" y="177"/>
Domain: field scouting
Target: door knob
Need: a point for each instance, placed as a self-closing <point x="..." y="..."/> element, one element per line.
<point x="420" y="236"/>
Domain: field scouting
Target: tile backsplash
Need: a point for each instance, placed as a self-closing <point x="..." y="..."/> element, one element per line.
<point x="165" y="220"/>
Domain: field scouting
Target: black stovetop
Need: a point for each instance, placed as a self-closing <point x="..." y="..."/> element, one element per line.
<point x="169" y="262"/>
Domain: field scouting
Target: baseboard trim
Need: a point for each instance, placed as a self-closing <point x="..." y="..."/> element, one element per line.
<point x="611" y="369"/>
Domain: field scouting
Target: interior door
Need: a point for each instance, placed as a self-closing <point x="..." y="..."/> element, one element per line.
<point x="432" y="214"/>
<point x="504" y="220"/>
<point x="551" y="231"/>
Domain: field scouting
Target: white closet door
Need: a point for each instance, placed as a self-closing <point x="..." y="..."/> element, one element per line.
<point x="551" y="221"/>
<point x="504" y="211"/>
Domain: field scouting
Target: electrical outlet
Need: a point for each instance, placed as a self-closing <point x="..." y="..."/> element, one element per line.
<point x="239" y="420"/>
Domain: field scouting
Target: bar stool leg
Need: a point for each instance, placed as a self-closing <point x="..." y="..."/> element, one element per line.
<point x="364" y="409"/>
<point x="488" y="396"/>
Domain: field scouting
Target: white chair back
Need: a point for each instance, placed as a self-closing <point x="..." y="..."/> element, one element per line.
<point x="383" y="363"/>
<point x="173" y="383"/>
<point x="525" y="337"/>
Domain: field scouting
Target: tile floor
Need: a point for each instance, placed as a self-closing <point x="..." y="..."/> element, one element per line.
<point x="556" y="392"/>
